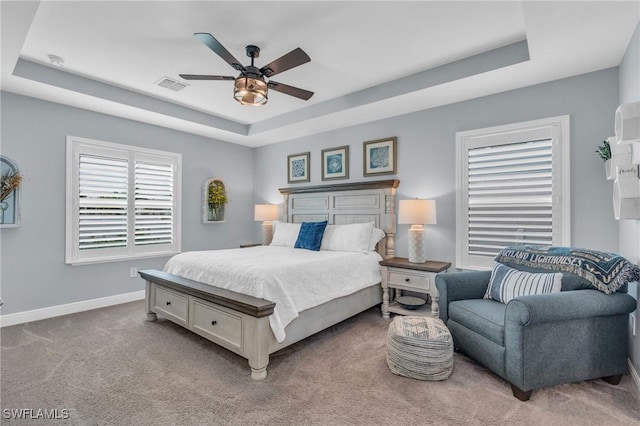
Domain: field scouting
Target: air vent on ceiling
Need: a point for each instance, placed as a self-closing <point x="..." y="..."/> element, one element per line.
<point x="171" y="84"/>
<point x="56" y="60"/>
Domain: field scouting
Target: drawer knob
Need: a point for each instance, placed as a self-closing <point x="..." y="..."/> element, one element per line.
<point x="168" y="303"/>
<point x="407" y="279"/>
<point x="214" y="322"/>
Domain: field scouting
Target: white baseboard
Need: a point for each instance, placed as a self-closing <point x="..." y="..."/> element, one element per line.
<point x="635" y="377"/>
<point x="69" y="308"/>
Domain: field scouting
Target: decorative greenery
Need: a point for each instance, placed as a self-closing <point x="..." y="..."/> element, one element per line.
<point x="217" y="194"/>
<point x="9" y="182"/>
<point x="604" y="151"/>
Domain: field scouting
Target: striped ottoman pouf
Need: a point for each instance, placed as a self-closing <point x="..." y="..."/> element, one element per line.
<point x="419" y="347"/>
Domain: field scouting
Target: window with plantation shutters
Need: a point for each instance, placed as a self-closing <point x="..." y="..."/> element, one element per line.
<point x="102" y="202"/>
<point x="122" y="202"/>
<point x="153" y="203"/>
<point x="512" y="189"/>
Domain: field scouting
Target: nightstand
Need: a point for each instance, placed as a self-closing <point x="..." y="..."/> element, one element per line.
<point x="400" y="274"/>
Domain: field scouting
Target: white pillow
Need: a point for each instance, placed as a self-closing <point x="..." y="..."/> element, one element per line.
<point x="352" y="237"/>
<point x="377" y="234"/>
<point x="285" y="234"/>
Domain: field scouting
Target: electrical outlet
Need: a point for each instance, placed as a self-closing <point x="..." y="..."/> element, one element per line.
<point x="133" y="272"/>
<point x="633" y="324"/>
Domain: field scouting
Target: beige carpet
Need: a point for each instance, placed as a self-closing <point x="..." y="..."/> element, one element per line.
<point x="111" y="367"/>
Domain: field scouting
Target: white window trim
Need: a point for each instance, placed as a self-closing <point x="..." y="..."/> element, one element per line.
<point x="74" y="144"/>
<point x="559" y="127"/>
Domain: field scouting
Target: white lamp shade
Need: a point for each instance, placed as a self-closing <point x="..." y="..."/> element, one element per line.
<point x="417" y="212"/>
<point x="264" y="212"/>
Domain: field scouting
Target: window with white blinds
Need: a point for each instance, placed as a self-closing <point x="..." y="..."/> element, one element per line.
<point x="153" y="203"/>
<point x="102" y="202"/>
<point x="122" y="202"/>
<point x="512" y="188"/>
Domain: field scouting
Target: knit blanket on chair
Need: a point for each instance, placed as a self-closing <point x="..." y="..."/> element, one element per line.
<point x="606" y="272"/>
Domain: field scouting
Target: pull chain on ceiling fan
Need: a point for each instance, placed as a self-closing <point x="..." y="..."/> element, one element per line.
<point x="250" y="87"/>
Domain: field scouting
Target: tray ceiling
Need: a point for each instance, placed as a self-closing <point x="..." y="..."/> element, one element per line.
<point x="369" y="60"/>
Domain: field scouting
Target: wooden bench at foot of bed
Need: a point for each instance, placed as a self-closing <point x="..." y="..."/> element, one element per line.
<point x="239" y="322"/>
<point x="232" y="320"/>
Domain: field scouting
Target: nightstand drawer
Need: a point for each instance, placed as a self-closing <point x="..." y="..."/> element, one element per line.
<point x="408" y="280"/>
<point x="170" y="304"/>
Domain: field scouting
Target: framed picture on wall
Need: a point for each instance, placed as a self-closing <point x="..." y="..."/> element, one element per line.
<point x="298" y="167"/>
<point x="379" y="157"/>
<point x="335" y="163"/>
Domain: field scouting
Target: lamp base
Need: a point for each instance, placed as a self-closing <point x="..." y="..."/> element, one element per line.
<point x="417" y="249"/>
<point x="267" y="233"/>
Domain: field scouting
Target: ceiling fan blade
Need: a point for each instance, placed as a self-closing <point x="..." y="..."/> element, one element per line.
<point x="205" y="77"/>
<point x="291" y="60"/>
<point x="215" y="45"/>
<point x="290" y="90"/>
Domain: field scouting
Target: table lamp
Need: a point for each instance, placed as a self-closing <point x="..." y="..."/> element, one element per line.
<point x="417" y="213"/>
<point x="266" y="213"/>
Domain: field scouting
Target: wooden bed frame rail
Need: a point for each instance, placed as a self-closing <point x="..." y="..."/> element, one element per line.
<point x="246" y="304"/>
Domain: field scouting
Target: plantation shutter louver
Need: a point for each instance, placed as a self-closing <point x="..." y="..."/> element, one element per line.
<point x="510" y="192"/>
<point x="153" y="203"/>
<point x="510" y="182"/>
<point x="123" y="202"/>
<point x="102" y="202"/>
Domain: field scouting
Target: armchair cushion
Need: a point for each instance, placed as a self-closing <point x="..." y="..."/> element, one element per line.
<point x="459" y="286"/>
<point x="485" y="317"/>
<point x="507" y="283"/>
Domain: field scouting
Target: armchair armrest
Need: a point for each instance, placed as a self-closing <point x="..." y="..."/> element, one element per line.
<point x="567" y="305"/>
<point x="565" y="337"/>
<point x="459" y="286"/>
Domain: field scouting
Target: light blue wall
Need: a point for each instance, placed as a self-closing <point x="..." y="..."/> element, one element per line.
<point x="34" y="274"/>
<point x="629" y="230"/>
<point x="426" y="155"/>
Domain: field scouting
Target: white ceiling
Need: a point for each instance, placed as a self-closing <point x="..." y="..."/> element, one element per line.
<point x="393" y="48"/>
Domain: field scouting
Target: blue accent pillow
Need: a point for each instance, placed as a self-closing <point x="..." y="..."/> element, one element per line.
<point x="310" y="235"/>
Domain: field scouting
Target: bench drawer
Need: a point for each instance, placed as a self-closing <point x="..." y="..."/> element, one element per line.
<point x="216" y="323"/>
<point x="172" y="305"/>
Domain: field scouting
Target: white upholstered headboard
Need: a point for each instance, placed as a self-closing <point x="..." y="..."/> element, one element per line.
<point x="345" y="203"/>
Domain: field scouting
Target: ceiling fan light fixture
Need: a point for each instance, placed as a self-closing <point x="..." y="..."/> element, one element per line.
<point x="250" y="88"/>
<point x="250" y="91"/>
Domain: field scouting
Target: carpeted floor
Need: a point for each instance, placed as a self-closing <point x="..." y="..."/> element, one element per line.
<point x="111" y="367"/>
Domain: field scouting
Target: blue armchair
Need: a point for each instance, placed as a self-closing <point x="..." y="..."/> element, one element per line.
<point x="538" y="341"/>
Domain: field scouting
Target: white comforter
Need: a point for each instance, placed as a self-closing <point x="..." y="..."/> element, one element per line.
<point x="295" y="279"/>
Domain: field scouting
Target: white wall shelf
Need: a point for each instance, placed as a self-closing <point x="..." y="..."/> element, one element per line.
<point x="627" y="128"/>
<point x="620" y="157"/>
<point x="635" y="153"/>
<point x="628" y="123"/>
<point x="626" y="193"/>
<point x="625" y="156"/>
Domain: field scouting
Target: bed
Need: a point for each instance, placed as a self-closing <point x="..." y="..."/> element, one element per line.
<point x="241" y="322"/>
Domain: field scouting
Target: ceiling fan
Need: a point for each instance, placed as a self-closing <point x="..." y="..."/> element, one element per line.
<point x="250" y="87"/>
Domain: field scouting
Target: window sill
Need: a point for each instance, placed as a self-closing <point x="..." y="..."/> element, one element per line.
<point x="121" y="258"/>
